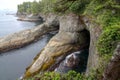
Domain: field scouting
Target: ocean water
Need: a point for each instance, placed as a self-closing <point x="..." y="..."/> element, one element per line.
<point x="14" y="63"/>
<point x="9" y="24"/>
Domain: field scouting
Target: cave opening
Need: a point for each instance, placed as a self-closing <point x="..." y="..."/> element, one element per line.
<point x="84" y="53"/>
<point x="76" y="61"/>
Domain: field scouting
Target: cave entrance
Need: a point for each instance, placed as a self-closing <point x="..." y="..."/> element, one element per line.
<point x="84" y="53"/>
<point x="76" y="61"/>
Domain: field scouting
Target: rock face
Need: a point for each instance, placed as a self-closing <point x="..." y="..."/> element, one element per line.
<point x="51" y="19"/>
<point x="71" y="37"/>
<point x="112" y="71"/>
<point x="95" y="31"/>
<point x="22" y="38"/>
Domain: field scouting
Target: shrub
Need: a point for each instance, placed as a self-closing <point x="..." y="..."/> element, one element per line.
<point x="109" y="37"/>
<point x="71" y="75"/>
<point x="75" y="6"/>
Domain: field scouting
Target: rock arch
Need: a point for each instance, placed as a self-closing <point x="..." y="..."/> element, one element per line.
<point x="72" y="36"/>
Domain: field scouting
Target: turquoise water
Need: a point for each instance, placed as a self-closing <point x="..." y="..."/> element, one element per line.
<point x="14" y="63"/>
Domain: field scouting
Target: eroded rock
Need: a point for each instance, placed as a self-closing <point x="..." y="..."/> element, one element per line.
<point x="71" y="37"/>
<point x="95" y="31"/>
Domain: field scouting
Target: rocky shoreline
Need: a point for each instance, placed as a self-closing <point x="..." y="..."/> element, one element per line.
<point x="71" y="37"/>
<point x="29" y="18"/>
<point x="22" y="38"/>
<point x="76" y="33"/>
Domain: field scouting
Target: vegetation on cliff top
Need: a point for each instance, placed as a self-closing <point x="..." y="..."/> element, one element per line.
<point x="106" y="13"/>
<point x="35" y="7"/>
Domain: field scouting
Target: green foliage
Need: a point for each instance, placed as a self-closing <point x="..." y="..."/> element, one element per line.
<point x="35" y="7"/>
<point x="107" y="40"/>
<point x="47" y="5"/>
<point x="75" y="6"/>
<point x="30" y="7"/>
<point x="106" y="13"/>
<point x="71" y="75"/>
<point x="62" y="6"/>
<point x="79" y="6"/>
<point x="23" y="7"/>
<point x="108" y="18"/>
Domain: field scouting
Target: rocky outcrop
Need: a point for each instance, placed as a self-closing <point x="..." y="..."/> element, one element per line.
<point x="71" y="37"/>
<point x="112" y="71"/>
<point x="51" y="18"/>
<point x="22" y="38"/>
<point x="95" y="32"/>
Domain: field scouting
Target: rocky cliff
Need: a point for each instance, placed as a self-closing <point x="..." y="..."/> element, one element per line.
<point x="100" y="31"/>
<point x="95" y="32"/>
<point x="71" y="37"/>
<point x="75" y="33"/>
